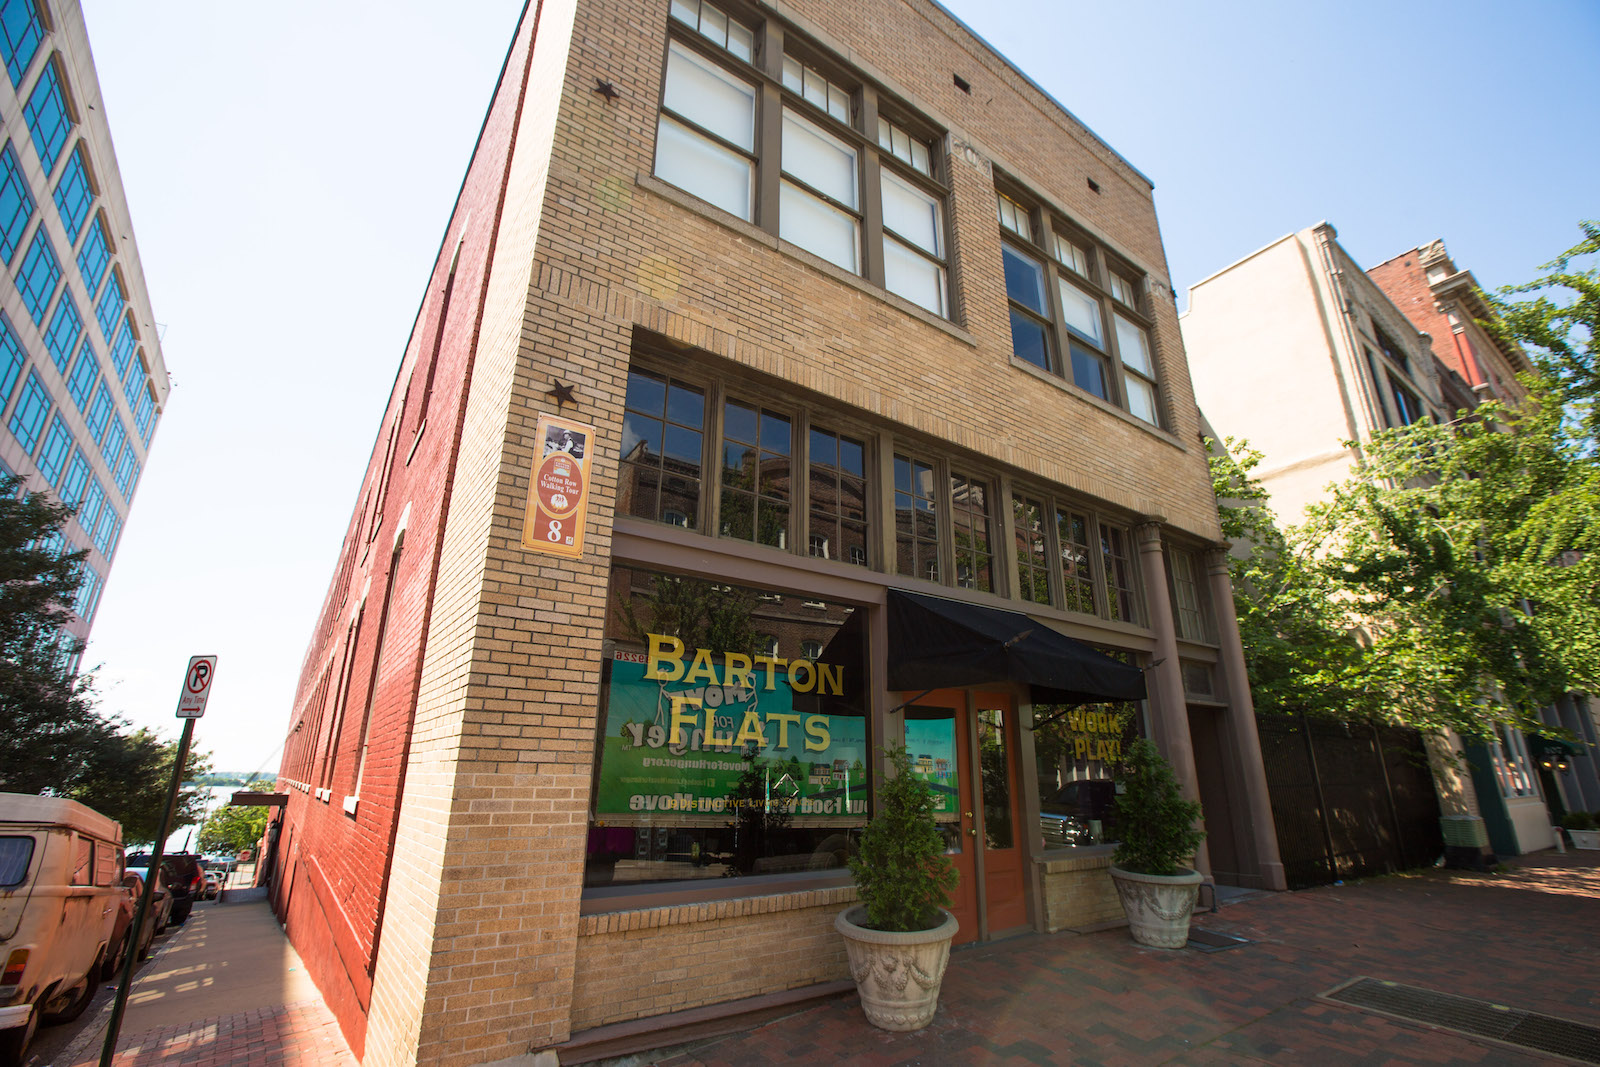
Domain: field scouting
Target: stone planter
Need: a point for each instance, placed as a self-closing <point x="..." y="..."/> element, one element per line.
<point x="1589" y="839"/>
<point x="1158" y="906"/>
<point x="897" y="975"/>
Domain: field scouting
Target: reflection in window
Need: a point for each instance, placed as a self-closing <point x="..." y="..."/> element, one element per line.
<point x="915" y="519"/>
<point x="969" y="510"/>
<point x="662" y="429"/>
<point x="1033" y="571"/>
<point x="1121" y="591"/>
<point x="718" y="757"/>
<point x="1072" y="535"/>
<point x="755" y="475"/>
<point x="1076" y="750"/>
<point x="838" y="496"/>
<point x="993" y="759"/>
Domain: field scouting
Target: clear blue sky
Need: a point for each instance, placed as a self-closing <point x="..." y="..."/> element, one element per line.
<point x="290" y="169"/>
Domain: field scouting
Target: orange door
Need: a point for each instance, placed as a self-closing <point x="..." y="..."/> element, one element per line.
<point x="970" y="762"/>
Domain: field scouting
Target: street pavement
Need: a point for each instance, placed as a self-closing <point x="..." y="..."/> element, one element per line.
<point x="230" y="989"/>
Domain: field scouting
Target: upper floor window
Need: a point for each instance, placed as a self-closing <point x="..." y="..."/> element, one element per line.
<point x="100" y="413"/>
<point x="116" y="437"/>
<point x="74" y="194"/>
<point x="837" y="495"/>
<point x="142" y="415"/>
<point x="57" y="447"/>
<point x="123" y="349"/>
<point x="77" y="481"/>
<point x="756" y="475"/>
<point x="33" y="407"/>
<point x="1055" y="565"/>
<point x="711" y="135"/>
<point x="1064" y="323"/>
<point x="1407" y="407"/>
<point x="1122" y="587"/>
<point x="127" y="475"/>
<point x="112" y="301"/>
<point x="12" y="357"/>
<point x="916" y="518"/>
<point x="16" y="203"/>
<point x="133" y="383"/>
<point x="663" y="431"/>
<point x="21" y="30"/>
<point x="66" y="326"/>
<point x="49" y="116"/>
<point x="95" y="256"/>
<point x="1188" y="596"/>
<point x="40" y="273"/>
<point x="84" y="374"/>
<point x="971" y="522"/>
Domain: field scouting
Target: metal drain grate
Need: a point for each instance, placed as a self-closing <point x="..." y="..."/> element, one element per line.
<point x="1479" y="1018"/>
<point x="1211" y="941"/>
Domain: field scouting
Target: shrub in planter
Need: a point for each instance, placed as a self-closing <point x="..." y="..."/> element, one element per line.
<point x="898" y="936"/>
<point x="1577" y="820"/>
<point x="1151" y="866"/>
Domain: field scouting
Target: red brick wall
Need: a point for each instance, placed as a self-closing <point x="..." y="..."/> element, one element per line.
<point x="333" y="903"/>
<point x="1403" y="281"/>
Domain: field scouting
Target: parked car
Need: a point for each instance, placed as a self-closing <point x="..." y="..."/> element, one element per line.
<point x="1080" y="813"/>
<point x="60" y="888"/>
<point x="213" y="884"/>
<point x="127" y="906"/>
<point x="185" y="877"/>
<point x="160" y="916"/>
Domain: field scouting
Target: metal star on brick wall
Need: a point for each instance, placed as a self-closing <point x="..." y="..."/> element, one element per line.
<point x="562" y="393"/>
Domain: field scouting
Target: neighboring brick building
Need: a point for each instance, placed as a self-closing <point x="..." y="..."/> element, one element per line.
<point x="769" y="422"/>
<point x="82" y="381"/>
<point x="1524" y="782"/>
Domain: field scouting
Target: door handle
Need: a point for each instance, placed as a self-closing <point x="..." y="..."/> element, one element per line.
<point x="973" y="831"/>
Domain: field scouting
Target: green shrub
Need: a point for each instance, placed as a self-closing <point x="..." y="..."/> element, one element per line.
<point x="901" y="871"/>
<point x="1578" y="820"/>
<point x="1156" y="823"/>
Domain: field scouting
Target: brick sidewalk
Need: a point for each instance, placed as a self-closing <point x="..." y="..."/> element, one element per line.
<point x="1525" y="938"/>
<point x="294" y="1035"/>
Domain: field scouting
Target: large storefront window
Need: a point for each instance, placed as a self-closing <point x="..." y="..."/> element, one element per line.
<point x="1077" y="749"/>
<point x="733" y="733"/>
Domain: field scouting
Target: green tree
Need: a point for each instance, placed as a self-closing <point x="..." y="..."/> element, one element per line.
<point x="128" y="777"/>
<point x="230" y="829"/>
<point x="1559" y="323"/>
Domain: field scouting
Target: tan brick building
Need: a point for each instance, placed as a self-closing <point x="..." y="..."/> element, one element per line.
<point x="776" y="359"/>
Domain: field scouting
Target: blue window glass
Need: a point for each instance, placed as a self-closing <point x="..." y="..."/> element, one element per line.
<point x="41" y="271"/>
<point x="33" y="407"/>
<point x="127" y="471"/>
<point x="48" y="119"/>
<point x="77" y="479"/>
<point x="81" y="385"/>
<point x="100" y="413"/>
<point x="122" y="348"/>
<point x="12" y="357"/>
<point x="141" y="414"/>
<point x="57" y="447"/>
<point x="74" y="194"/>
<point x="89" y="514"/>
<point x="66" y="326"/>
<point x="106" y="529"/>
<point x="134" y="384"/>
<point x="88" y="590"/>
<point x="110" y="306"/>
<point x="16" y="203"/>
<point x="20" y="34"/>
<point x="95" y="256"/>
<point x="112" y="446"/>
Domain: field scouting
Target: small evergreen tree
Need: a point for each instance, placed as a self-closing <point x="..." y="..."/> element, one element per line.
<point x="901" y="871"/>
<point x="1157" y="825"/>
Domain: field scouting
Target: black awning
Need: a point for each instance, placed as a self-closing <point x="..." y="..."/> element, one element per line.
<point x="1555" y="746"/>
<point x="934" y="643"/>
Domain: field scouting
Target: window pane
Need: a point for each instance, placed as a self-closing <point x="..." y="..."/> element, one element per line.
<point x="912" y="214"/>
<point x="16" y="204"/>
<point x="1028" y="340"/>
<point x="20" y="34"/>
<point x="1089" y="371"/>
<point x="918" y="279"/>
<point x="1014" y="217"/>
<point x="1082" y="312"/>
<point x="817" y="227"/>
<point x="704" y="168"/>
<point x="708" y="96"/>
<point x="822" y="162"/>
<point x="1141" y="399"/>
<point x="993" y="760"/>
<point x="1072" y="535"/>
<point x="1134" y="347"/>
<point x="1024" y="281"/>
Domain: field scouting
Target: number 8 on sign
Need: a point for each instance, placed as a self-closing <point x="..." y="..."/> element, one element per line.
<point x="555" y="530"/>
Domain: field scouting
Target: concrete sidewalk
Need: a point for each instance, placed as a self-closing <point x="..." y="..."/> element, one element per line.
<point x="228" y="989"/>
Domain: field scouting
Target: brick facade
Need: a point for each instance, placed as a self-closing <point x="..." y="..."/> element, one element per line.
<point x="441" y="916"/>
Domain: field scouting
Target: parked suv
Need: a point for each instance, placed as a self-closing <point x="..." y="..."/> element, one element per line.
<point x="60" y="889"/>
<point x="185" y="878"/>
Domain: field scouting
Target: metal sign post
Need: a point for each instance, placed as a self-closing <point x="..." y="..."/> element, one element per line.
<point x="191" y="705"/>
